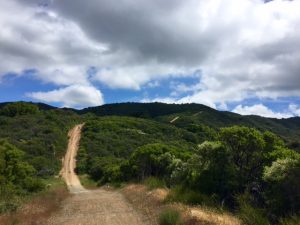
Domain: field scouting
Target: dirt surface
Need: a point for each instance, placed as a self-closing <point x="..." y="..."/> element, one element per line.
<point x="91" y="207"/>
<point x="69" y="162"/>
<point x="173" y="120"/>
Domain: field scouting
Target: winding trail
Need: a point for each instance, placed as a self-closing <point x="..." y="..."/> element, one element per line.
<point x="91" y="207"/>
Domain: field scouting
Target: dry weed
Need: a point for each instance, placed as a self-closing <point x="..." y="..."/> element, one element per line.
<point x="37" y="210"/>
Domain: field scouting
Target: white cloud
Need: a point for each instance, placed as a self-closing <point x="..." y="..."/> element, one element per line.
<point x="77" y="96"/>
<point x="260" y="110"/>
<point x="243" y="48"/>
<point x="294" y="109"/>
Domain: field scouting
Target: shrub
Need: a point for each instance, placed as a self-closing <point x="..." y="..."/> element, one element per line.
<point x="169" y="216"/>
<point x="19" y="108"/>
<point x="283" y="186"/>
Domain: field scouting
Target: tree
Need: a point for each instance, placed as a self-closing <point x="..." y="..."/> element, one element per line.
<point x="248" y="154"/>
<point x="210" y="170"/>
<point x="153" y="160"/>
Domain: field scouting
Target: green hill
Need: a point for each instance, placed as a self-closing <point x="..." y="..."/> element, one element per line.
<point x="205" y="156"/>
<point x="195" y="114"/>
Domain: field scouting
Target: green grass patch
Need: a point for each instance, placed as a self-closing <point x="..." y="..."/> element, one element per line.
<point x="87" y="182"/>
<point x="153" y="183"/>
<point x="191" y="197"/>
<point x="169" y="216"/>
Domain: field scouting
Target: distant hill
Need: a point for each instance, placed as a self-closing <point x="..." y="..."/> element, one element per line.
<point x="41" y="106"/>
<point x="189" y="115"/>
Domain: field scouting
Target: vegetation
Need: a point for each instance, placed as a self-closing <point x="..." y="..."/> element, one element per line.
<point x="246" y="164"/>
<point x="16" y="177"/>
<point x="41" y="134"/>
<point x="169" y="217"/>
<point x="33" y="139"/>
<point x="240" y="161"/>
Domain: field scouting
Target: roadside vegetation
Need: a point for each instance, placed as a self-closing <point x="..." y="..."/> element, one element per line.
<point x="33" y="139"/>
<point x="239" y="169"/>
<point x="249" y="166"/>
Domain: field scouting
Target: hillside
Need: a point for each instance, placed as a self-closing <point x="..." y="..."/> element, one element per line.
<point x="203" y="156"/>
<point x="195" y="114"/>
<point x="190" y="116"/>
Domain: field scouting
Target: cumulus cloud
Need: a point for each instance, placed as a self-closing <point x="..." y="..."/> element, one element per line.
<point x="261" y="110"/>
<point x="294" y="109"/>
<point x="243" y="48"/>
<point x="77" y="96"/>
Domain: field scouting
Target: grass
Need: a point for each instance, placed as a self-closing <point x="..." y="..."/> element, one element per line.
<point x="190" y="197"/>
<point x="169" y="216"/>
<point x="153" y="183"/>
<point x="37" y="208"/>
<point x="250" y="215"/>
<point x="87" y="182"/>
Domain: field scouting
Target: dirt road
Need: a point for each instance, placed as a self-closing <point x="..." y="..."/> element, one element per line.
<point x="69" y="162"/>
<point x="91" y="207"/>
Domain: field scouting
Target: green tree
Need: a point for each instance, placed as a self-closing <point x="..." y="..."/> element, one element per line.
<point x="248" y="153"/>
<point x="210" y="170"/>
<point x="154" y="160"/>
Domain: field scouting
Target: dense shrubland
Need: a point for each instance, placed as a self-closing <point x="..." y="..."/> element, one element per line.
<point x="33" y="139"/>
<point x="245" y="170"/>
<point x="17" y="177"/>
<point x="41" y="134"/>
<point x="237" y="168"/>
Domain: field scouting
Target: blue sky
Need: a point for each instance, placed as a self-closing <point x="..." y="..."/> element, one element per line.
<point x="237" y="56"/>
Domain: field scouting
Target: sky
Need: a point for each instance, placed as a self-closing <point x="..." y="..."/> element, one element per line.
<point x="240" y="56"/>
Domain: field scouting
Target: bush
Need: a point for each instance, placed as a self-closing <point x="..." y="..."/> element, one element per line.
<point x="169" y="217"/>
<point x="283" y="186"/>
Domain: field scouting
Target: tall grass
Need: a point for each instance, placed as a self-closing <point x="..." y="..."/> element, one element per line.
<point x="154" y="182"/>
<point x="169" y="216"/>
<point x="190" y="197"/>
<point x="250" y="215"/>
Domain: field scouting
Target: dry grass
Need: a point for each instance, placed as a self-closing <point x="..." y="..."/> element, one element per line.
<point x="151" y="204"/>
<point x="209" y="217"/>
<point x="37" y="210"/>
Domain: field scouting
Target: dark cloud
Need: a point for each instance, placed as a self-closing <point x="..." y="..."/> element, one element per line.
<point x="148" y="29"/>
